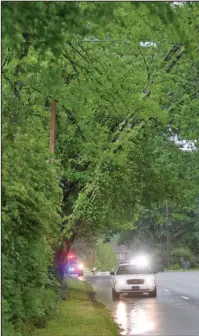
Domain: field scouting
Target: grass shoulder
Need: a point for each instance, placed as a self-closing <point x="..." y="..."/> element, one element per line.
<point x="79" y="314"/>
<point x="182" y="270"/>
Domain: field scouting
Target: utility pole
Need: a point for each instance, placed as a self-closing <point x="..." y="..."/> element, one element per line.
<point x="53" y="127"/>
<point x="168" y="236"/>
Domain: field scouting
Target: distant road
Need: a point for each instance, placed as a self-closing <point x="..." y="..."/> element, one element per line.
<point x="182" y="283"/>
<point x="175" y="311"/>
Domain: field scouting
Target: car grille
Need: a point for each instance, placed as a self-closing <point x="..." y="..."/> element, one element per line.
<point x="135" y="282"/>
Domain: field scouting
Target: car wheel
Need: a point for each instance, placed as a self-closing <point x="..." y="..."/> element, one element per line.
<point x="115" y="295"/>
<point x="153" y="294"/>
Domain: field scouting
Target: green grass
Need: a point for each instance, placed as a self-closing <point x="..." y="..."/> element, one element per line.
<point x="78" y="315"/>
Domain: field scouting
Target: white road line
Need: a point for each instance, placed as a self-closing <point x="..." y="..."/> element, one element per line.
<point x="185" y="297"/>
<point x="166" y="290"/>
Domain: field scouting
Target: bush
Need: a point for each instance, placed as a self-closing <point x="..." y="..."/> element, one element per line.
<point x="180" y="254"/>
<point x="175" y="267"/>
<point x="106" y="258"/>
<point x="31" y="200"/>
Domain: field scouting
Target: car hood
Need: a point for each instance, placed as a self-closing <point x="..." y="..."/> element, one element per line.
<point x="134" y="276"/>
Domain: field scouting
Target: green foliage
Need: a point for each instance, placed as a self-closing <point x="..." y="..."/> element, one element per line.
<point x="105" y="257"/>
<point x="30" y="214"/>
<point x="150" y="231"/>
<point x="182" y="253"/>
<point x="118" y="104"/>
<point x="151" y="225"/>
<point x="175" y="267"/>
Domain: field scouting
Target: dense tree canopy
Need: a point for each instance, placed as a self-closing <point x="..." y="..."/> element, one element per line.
<point x="151" y="230"/>
<point x="125" y="79"/>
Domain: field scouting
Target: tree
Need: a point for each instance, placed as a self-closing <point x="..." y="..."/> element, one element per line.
<point x="151" y="232"/>
<point x="105" y="257"/>
<point x="118" y="104"/>
<point x="181" y="254"/>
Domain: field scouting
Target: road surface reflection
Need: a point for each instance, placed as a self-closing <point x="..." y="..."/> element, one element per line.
<point x="167" y="315"/>
<point x="132" y="318"/>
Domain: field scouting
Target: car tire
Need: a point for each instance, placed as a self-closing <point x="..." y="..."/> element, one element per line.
<point x="115" y="295"/>
<point x="153" y="294"/>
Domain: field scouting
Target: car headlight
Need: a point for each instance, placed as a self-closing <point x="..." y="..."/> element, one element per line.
<point x="81" y="266"/>
<point x="150" y="281"/>
<point x="119" y="282"/>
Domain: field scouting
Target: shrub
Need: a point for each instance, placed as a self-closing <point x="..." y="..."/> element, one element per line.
<point x="106" y="258"/>
<point x="175" y="267"/>
<point x="180" y="254"/>
<point x="31" y="200"/>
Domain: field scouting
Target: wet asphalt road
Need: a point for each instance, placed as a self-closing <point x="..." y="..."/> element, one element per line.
<point x="175" y="311"/>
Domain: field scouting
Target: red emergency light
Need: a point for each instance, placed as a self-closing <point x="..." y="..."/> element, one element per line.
<point x="71" y="255"/>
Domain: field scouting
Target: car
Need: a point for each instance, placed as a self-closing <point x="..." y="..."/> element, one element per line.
<point x="132" y="278"/>
<point x="74" y="267"/>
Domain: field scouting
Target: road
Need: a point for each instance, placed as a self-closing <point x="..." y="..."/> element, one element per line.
<point x="175" y="311"/>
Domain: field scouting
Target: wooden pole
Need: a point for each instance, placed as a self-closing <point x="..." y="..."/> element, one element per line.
<point x="53" y="127"/>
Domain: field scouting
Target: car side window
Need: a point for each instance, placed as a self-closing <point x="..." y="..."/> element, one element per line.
<point x="119" y="271"/>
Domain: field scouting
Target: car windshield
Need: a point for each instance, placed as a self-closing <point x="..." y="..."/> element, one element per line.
<point x="133" y="269"/>
<point x="73" y="263"/>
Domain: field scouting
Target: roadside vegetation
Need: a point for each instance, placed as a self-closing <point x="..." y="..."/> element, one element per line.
<point x="105" y="257"/>
<point x="150" y="233"/>
<point x="80" y="314"/>
<point x="124" y="77"/>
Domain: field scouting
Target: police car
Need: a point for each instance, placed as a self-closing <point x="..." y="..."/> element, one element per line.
<point x="133" y="277"/>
